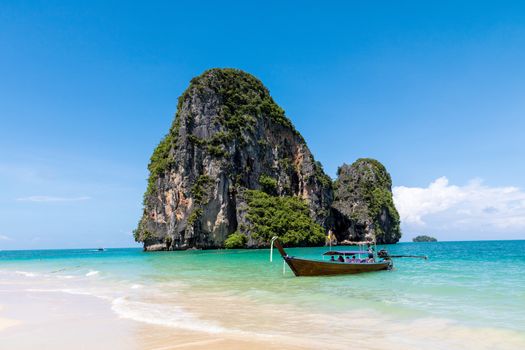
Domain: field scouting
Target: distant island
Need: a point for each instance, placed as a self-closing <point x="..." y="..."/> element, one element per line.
<point x="233" y="171"/>
<point x="423" y="238"/>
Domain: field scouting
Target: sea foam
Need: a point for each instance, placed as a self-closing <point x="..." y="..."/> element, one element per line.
<point x="26" y="274"/>
<point x="163" y="315"/>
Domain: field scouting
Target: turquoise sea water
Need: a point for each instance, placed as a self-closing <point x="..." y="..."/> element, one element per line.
<point x="466" y="291"/>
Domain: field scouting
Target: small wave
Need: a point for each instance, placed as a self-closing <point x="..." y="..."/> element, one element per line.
<point x="59" y="290"/>
<point x="72" y="291"/>
<point x="163" y="315"/>
<point x="136" y="286"/>
<point x="26" y="274"/>
<point x="66" y="277"/>
<point x="92" y="273"/>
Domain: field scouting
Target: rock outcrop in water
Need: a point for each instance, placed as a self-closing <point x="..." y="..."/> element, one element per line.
<point x="228" y="137"/>
<point x="363" y="207"/>
<point x="233" y="171"/>
<point x="424" y="238"/>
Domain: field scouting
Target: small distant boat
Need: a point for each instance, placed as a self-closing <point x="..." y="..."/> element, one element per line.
<point x="101" y="250"/>
<point x="307" y="267"/>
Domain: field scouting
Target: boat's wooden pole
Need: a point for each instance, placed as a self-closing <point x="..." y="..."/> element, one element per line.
<point x="277" y="243"/>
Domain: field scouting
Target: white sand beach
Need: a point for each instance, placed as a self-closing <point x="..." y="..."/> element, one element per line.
<point x="6" y="322"/>
<point x="62" y="321"/>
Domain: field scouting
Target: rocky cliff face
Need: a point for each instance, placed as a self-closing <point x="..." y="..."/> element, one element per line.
<point x="363" y="208"/>
<point x="228" y="136"/>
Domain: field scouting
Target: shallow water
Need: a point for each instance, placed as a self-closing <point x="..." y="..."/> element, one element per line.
<point x="466" y="294"/>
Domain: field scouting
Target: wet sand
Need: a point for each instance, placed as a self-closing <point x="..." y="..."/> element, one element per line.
<point x="6" y="322"/>
<point x="62" y="321"/>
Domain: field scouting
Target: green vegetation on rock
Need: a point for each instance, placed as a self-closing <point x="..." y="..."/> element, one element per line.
<point x="381" y="200"/>
<point x="268" y="184"/>
<point x="199" y="188"/>
<point x="320" y="175"/>
<point x="194" y="216"/>
<point x="141" y="234"/>
<point x="235" y="240"/>
<point x="161" y="160"/>
<point x="217" y="151"/>
<point x="199" y="191"/>
<point x="243" y="97"/>
<point x="213" y="146"/>
<point x="196" y="140"/>
<point x="285" y="217"/>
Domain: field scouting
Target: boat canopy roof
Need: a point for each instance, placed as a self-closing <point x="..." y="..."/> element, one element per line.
<point x="345" y="252"/>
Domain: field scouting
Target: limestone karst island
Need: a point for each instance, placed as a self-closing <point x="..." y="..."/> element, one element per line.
<point x="233" y="171"/>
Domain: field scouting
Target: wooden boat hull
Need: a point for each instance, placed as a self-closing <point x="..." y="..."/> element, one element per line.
<point x="305" y="267"/>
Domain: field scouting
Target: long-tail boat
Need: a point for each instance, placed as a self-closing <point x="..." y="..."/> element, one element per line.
<point x="307" y="267"/>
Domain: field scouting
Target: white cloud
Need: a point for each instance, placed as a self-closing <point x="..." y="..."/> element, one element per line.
<point x="52" y="199"/>
<point x="474" y="206"/>
<point x="5" y="238"/>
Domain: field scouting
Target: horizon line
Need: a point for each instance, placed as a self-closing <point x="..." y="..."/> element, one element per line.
<point x="476" y="240"/>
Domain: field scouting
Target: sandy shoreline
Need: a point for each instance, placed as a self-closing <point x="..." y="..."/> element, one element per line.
<point x="65" y="321"/>
<point x="6" y="322"/>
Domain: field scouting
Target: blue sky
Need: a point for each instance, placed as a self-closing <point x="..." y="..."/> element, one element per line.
<point x="434" y="90"/>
